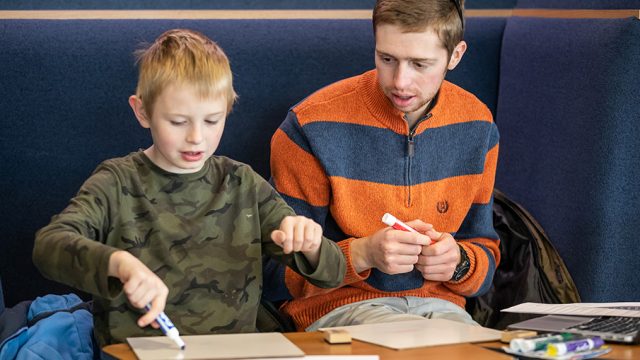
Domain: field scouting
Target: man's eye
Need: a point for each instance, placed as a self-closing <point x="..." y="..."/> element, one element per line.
<point x="387" y="59"/>
<point x="420" y="65"/>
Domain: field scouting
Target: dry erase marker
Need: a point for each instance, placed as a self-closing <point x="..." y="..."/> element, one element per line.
<point x="168" y="328"/>
<point x="561" y="348"/>
<point x="395" y="223"/>
<point x="538" y="343"/>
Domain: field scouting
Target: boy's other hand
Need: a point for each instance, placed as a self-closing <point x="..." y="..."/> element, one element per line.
<point x="140" y="285"/>
<point x="298" y="233"/>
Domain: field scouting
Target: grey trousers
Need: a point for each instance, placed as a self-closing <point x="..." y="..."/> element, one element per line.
<point x="390" y="309"/>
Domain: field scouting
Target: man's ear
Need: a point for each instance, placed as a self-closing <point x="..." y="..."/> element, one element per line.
<point x="456" y="56"/>
<point x="138" y="110"/>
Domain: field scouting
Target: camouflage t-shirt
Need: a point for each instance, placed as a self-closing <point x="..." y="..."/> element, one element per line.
<point x="204" y="234"/>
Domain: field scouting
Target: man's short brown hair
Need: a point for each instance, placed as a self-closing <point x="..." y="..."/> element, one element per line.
<point x="445" y="17"/>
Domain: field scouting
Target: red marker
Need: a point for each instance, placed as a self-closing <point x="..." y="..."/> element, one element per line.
<point x="395" y="223"/>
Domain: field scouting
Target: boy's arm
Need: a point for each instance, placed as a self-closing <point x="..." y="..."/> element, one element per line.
<point x="274" y="213"/>
<point x="66" y="249"/>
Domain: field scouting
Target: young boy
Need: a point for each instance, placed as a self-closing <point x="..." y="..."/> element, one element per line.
<point x="173" y="226"/>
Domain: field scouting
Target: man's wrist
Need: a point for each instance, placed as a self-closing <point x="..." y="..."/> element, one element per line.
<point x="358" y="255"/>
<point x="463" y="266"/>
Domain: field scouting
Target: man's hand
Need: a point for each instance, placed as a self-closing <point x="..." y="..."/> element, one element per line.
<point x="298" y="233"/>
<point x="438" y="261"/>
<point x="390" y="251"/>
<point x="140" y="285"/>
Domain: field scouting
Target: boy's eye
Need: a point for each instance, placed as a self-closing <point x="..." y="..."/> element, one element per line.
<point x="177" y="122"/>
<point x="211" y="122"/>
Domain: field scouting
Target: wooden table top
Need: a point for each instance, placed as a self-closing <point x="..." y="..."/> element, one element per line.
<point x="312" y="343"/>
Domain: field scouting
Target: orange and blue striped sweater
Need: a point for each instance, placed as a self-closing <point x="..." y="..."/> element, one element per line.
<point x="344" y="156"/>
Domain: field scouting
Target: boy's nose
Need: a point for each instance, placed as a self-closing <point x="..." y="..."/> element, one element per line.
<point x="195" y="135"/>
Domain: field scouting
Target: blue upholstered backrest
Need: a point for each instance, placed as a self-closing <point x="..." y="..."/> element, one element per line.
<point x="578" y="4"/>
<point x="569" y="120"/>
<point x="64" y="89"/>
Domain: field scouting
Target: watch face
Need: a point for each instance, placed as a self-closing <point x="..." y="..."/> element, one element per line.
<point x="463" y="267"/>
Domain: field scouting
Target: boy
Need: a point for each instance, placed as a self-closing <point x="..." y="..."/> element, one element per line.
<point x="397" y="139"/>
<point x="173" y="226"/>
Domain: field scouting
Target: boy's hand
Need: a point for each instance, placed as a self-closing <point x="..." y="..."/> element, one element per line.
<point x="140" y="285"/>
<point x="298" y="233"/>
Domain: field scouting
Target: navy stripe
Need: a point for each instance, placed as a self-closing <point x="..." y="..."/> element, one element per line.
<point x="319" y="214"/>
<point x="398" y="282"/>
<point x="488" y="280"/>
<point x="354" y="151"/>
<point x="478" y="223"/>
<point x="301" y="207"/>
<point x="291" y="127"/>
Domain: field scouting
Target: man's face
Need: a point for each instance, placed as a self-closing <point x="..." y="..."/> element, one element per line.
<point x="411" y="67"/>
<point x="186" y="129"/>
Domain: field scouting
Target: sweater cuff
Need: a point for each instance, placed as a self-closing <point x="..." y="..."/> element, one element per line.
<point x="351" y="275"/>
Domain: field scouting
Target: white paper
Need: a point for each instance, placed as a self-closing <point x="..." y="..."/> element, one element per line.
<point x="223" y="346"/>
<point x="419" y="333"/>
<point x="580" y="309"/>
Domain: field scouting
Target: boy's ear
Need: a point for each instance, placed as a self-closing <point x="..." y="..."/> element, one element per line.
<point x="456" y="56"/>
<point x="138" y="110"/>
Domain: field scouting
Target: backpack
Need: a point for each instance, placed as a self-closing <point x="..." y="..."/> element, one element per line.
<point x="530" y="269"/>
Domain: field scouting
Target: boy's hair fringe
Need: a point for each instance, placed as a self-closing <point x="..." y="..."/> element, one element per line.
<point x="182" y="56"/>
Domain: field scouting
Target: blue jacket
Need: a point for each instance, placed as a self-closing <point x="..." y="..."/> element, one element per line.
<point x="54" y="327"/>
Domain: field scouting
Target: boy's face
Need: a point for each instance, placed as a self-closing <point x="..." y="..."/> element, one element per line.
<point x="411" y="66"/>
<point x="186" y="128"/>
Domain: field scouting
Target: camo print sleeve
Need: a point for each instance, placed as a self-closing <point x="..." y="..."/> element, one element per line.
<point x="331" y="267"/>
<point x="66" y="250"/>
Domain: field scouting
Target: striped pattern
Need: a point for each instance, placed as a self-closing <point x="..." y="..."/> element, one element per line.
<point x="341" y="158"/>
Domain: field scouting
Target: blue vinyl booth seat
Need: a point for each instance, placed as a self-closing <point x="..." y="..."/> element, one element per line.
<point x="569" y="120"/>
<point x="564" y="104"/>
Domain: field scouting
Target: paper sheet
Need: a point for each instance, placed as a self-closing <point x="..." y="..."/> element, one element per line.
<point x="420" y="333"/>
<point x="580" y="309"/>
<point x="223" y="346"/>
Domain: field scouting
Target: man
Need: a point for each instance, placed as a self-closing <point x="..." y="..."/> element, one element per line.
<point x="396" y="139"/>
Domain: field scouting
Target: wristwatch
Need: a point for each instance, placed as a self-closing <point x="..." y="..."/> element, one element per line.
<point x="463" y="266"/>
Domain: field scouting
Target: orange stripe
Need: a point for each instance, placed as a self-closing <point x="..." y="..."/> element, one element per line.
<point x="357" y="206"/>
<point x="296" y="172"/>
<point x="346" y="106"/>
<point x="462" y="106"/>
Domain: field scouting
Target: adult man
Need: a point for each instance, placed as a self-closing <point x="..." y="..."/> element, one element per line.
<point x="396" y="139"/>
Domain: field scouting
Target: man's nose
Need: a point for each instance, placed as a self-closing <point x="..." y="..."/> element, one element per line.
<point x="402" y="77"/>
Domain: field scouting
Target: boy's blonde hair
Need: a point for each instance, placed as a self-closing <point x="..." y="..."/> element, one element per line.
<point x="445" y="17"/>
<point x="182" y="56"/>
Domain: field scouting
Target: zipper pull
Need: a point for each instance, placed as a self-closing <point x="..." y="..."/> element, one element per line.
<point x="410" y="146"/>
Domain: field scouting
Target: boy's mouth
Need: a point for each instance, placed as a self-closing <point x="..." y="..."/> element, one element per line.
<point x="192" y="155"/>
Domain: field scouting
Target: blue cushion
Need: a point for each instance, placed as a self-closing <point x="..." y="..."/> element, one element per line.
<point x="65" y="85"/>
<point x="570" y="144"/>
<point x="579" y="4"/>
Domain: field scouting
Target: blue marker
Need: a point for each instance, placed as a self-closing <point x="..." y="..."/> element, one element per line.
<point x="168" y="328"/>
